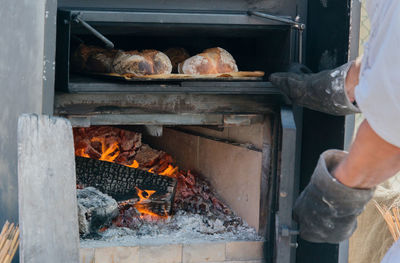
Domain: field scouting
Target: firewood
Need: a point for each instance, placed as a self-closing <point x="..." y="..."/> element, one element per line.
<point x="125" y="183"/>
<point x="9" y="241"/>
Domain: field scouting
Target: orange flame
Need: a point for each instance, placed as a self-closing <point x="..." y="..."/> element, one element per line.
<point x="81" y="152"/>
<point x="135" y="164"/>
<point x="107" y="154"/>
<point x="170" y="171"/>
<point x="142" y="197"/>
<point x="144" y="212"/>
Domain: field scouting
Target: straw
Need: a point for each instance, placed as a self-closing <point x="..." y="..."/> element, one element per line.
<point x="392" y="219"/>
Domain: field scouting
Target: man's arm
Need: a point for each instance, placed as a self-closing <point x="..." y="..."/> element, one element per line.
<point x="371" y="160"/>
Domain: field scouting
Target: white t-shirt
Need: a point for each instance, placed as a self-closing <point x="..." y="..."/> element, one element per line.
<point x="393" y="255"/>
<point x="378" y="92"/>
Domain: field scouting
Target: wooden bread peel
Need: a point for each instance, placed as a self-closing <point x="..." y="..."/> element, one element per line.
<point x="241" y="75"/>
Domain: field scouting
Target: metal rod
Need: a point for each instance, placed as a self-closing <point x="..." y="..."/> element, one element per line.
<point x="293" y="23"/>
<point x="105" y="40"/>
<point x="300" y="46"/>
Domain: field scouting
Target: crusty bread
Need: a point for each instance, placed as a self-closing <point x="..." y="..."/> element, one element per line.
<point x="176" y="55"/>
<point x="210" y="61"/>
<point x="147" y="62"/>
<point x="92" y="59"/>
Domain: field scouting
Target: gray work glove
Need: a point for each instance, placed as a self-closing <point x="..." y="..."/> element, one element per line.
<point x="323" y="91"/>
<point x="327" y="210"/>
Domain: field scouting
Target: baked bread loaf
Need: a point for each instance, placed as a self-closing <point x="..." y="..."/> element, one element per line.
<point x="210" y="61"/>
<point x="176" y="55"/>
<point x="147" y="62"/>
<point x="92" y="59"/>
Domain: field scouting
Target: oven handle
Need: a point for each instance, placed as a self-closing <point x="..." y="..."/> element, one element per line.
<point x="294" y="23"/>
<point x="77" y="19"/>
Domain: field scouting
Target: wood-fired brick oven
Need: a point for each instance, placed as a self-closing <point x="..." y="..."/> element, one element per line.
<point x="262" y="35"/>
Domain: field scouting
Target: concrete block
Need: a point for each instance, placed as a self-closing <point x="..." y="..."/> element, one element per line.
<point x="203" y="252"/>
<point x="161" y="254"/>
<point x="117" y="255"/>
<point x="246" y="250"/>
<point x="86" y="255"/>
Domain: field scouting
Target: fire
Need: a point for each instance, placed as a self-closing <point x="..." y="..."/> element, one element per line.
<point x="135" y="164"/>
<point x="81" y="152"/>
<point x="108" y="154"/>
<point x="144" y="196"/>
<point x="108" y="148"/>
<point x="170" y="171"/>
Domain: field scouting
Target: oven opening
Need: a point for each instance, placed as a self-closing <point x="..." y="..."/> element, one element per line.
<point x="257" y="50"/>
<point x="189" y="186"/>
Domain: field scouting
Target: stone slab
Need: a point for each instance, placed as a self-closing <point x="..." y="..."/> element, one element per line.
<point x="48" y="215"/>
<point x="117" y="255"/>
<point x="161" y="254"/>
<point x="86" y="255"/>
<point x="203" y="252"/>
<point x="244" y="250"/>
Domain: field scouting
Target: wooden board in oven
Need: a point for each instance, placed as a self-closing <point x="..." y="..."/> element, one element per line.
<point x="241" y="75"/>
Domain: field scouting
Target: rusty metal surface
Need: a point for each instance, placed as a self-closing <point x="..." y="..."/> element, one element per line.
<point x="287" y="7"/>
<point x="114" y="103"/>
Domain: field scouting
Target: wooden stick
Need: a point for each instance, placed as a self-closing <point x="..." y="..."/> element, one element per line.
<point x="9" y="241"/>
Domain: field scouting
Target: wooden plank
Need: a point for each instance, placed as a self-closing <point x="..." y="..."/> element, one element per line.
<point x="241" y="75"/>
<point x="48" y="213"/>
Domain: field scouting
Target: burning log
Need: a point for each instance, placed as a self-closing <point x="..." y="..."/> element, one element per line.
<point x="147" y="191"/>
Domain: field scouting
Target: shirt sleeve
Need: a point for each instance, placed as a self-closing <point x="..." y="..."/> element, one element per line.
<point x="378" y="92"/>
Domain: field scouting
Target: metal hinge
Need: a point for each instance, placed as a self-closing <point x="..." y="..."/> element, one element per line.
<point x="77" y="19"/>
<point x="285" y="231"/>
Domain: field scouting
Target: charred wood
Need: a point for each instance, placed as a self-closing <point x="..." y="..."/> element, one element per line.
<point x="123" y="183"/>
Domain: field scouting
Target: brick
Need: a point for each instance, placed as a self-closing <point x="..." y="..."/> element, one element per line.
<point x="117" y="255"/>
<point x="203" y="252"/>
<point x="244" y="250"/>
<point x="161" y="254"/>
<point x="86" y="255"/>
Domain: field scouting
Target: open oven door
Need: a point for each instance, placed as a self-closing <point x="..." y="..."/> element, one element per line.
<point x="287" y="190"/>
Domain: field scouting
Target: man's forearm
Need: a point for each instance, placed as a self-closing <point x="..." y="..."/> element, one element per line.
<point x="371" y="160"/>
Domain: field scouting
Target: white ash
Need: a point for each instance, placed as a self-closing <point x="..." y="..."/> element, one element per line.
<point x="181" y="228"/>
<point x="95" y="210"/>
